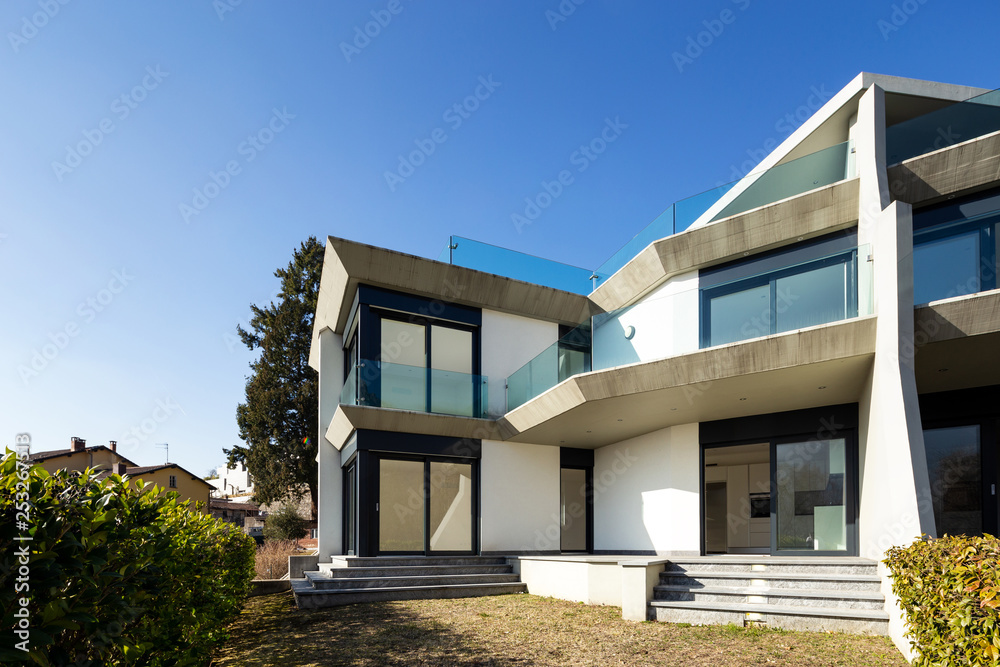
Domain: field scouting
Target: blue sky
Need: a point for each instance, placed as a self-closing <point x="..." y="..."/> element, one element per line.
<point x="160" y="160"/>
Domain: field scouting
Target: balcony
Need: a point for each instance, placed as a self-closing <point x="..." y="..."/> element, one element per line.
<point x="419" y="389"/>
<point x="953" y="124"/>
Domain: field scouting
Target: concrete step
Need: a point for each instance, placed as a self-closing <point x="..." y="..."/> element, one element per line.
<point x="415" y="561"/>
<point x="803" y="565"/>
<point x="792" y="580"/>
<point x="308" y="597"/>
<point x="764" y="596"/>
<point x="323" y="582"/>
<point x="410" y="571"/>
<point x="814" y="619"/>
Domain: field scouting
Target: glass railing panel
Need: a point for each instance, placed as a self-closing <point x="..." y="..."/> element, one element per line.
<point x="663" y="324"/>
<point x="661" y="227"/>
<point x="402" y="387"/>
<point x="690" y="209"/>
<point x="568" y="356"/>
<point x="792" y="178"/>
<point x="519" y="266"/>
<point x="945" y="127"/>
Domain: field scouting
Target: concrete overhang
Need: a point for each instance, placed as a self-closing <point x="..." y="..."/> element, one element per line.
<point x="956" y="342"/>
<point x="813" y="214"/>
<point x="347" y="264"/>
<point x="824" y="365"/>
<point x="349" y="418"/>
<point x="934" y="176"/>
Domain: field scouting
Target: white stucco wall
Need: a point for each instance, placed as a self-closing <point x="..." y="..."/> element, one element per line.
<point x="330" y="481"/>
<point x="646" y="493"/>
<point x="520" y="497"/>
<point x="509" y="342"/>
<point x="665" y="321"/>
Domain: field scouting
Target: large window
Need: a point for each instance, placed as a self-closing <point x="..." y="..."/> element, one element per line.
<point x="954" y="468"/>
<point x="795" y="289"/>
<point x="954" y="258"/>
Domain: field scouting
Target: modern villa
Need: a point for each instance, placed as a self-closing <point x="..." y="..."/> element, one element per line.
<point x="730" y="421"/>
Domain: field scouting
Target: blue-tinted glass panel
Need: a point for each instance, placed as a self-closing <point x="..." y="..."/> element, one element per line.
<point x="946" y="267"/>
<point x="741" y="315"/>
<point x="812" y="297"/>
<point x="944" y="127"/>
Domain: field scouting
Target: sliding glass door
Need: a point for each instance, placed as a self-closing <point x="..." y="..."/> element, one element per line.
<point x="426" y="506"/>
<point x="813" y="498"/>
<point x="955" y="469"/>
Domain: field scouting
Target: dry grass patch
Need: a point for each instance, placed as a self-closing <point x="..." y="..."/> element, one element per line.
<point x="517" y="630"/>
<point x="271" y="561"/>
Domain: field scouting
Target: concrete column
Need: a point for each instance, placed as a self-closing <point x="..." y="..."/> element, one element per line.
<point x="895" y="489"/>
<point x="330" y="513"/>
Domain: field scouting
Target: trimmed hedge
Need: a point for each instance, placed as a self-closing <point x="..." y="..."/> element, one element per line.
<point x="117" y="575"/>
<point x="949" y="589"/>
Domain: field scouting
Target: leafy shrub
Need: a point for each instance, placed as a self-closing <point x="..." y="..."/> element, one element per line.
<point x="118" y="574"/>
<point x="284" y="524"/>
<point x="272" y="558"/>
<point x="949" y="589"/>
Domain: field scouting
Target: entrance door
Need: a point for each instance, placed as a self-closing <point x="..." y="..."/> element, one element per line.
<point x="426" y="506"/>
<point x="351" y="509"/>
<point x="813" y="498"/>
<point x="574" y="510"/>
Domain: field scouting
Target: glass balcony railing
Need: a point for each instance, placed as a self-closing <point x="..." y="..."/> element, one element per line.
<point x="944" y="127"/>
<point x="387" y="385"/>
<point x="517" y="265"/>
<point x="568" y="356"/>
<point x="785" y="180"/>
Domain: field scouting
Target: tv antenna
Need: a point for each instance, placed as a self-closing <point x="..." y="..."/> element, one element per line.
<point x="166" y="446"/>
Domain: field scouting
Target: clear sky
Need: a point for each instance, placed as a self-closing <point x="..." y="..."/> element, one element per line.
<point x="160" y="159"/>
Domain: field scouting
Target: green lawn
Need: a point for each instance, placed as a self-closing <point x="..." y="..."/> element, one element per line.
<point x="517" y="630"/>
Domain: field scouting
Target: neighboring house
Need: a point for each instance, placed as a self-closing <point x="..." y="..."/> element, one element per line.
<point x="232" y="482"/>
<point x="245" y="515"/>
<point x="107" y="460"/>
<point x="79" y="457"/>
<point x="172" y="477"/>
<point x="803" y="363"/>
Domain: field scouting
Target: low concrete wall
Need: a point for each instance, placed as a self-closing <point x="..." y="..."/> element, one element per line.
<point x="299" y="564"/>
<point x="621" y="582"/>
<point x="269" y="586"/>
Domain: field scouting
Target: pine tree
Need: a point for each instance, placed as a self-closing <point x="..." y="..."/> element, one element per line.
<point x="279" y="418"/>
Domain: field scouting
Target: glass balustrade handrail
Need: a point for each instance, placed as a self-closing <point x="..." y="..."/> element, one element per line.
<point x="377" y="383"/>
<point x="568" y="356"/>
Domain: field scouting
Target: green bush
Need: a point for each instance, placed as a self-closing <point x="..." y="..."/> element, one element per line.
<point x="949" y="589"/>
<point x="117" y="575"/>
<point x="284" y="524"/>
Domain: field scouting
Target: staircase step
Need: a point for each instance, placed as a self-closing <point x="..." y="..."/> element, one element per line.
<point x="791" y="580"/>
<point x="816" y="619"/>
<point x="410" y="571"/>
<point x="773" y="596"/>
<point x="308" y="597"/>
<point x="323" y="582"/>
<point x="776" y="564"/>
<point x="415" y="561"/>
